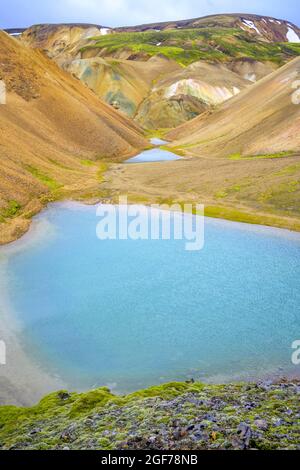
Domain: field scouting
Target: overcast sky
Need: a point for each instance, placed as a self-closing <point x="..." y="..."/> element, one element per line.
<point x="21" y="13"/>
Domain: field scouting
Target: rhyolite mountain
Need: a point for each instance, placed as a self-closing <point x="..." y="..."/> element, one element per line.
<point x="53" y="132"/>
<point x="164" y="74"/>
<point x="271" y="29"/>
<point x="261" y="120"/>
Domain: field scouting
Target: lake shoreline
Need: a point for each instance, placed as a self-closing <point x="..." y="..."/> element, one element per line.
<point x="22" y="381"/>
<point x="18" y="227"/>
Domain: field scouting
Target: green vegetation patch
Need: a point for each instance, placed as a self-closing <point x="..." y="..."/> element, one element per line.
<point x="102" y="168"/>
<point x="190" y="45"/>
<point x="87" y="162"/>
<point x="11" y="210"/>
<point x="45" y="179"/>
<point x="237" y="215"/>
<point x="238" y="156"/>
<point x="178" y="415"/>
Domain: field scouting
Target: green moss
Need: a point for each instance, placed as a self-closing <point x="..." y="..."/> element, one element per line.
<point x="101" y="420"/>
<point x="102" y="168"/>
<point x="221" y="194"/>
<point x="166" y="391"/>
<point x="189" y="45"/>
<point x="45" y="179"/>
<point x="87" y="162"/>
<point x="94" y="399"/>
<point x="175" y="150"/>
<point x="11" y="210"/>
<point x="105" y="444"/>
<point x="238" y="156"/>
<point x="158" y="133"/>
<point x="235" y="188"/>
<point x="288" y="170"/>
<point x="222" y="212"/>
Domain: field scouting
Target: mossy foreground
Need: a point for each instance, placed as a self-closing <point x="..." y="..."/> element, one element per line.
<point x="172" y="416"/>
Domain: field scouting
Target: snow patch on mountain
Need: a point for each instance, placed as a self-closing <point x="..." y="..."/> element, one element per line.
<point x="291" y="35"/>
<point x="251" y="25"/>
<point x="104" y="31"/>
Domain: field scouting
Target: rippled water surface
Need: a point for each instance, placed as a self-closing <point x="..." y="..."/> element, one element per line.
<point x="134" y="313"/>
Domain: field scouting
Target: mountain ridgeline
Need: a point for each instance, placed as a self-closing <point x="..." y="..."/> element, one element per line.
<point x="164" y="74"/>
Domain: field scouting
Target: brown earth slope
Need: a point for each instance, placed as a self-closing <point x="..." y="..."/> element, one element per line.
<point x="53" y="132"/>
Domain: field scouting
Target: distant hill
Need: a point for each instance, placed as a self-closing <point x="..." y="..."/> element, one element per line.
<point x="268" y="28"/>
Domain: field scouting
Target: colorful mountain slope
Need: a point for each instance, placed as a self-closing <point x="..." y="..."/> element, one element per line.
<point x="53" y="132"/>
<point x="129" y="67"/>
<point x="268" y="28"/>
<point x="263" y="119"/>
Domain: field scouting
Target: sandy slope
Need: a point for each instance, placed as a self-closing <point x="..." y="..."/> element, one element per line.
<point x="49" y="127"/>
<point x="261" y="120"/>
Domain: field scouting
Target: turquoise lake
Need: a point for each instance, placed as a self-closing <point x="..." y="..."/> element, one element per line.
<point x="129" y="314"/>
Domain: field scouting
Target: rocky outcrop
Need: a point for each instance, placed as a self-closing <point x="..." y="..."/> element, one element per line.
<point x="181" y="96"/>
<point x="55" y="38"/>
